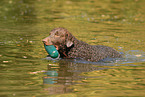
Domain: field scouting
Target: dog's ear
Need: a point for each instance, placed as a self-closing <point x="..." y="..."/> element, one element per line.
<point x="69" y="39"/>
<point x="69" y="43"/>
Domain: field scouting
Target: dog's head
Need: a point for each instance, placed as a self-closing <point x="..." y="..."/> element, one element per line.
<point x="60" y="38"/>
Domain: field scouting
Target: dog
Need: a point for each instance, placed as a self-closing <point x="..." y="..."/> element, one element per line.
<point x="69" y="46"/>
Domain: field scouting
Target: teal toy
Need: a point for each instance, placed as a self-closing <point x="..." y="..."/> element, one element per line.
<point x="51" y="50"/>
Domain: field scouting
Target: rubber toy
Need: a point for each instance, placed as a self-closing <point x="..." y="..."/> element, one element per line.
<point x="51" y="50"/>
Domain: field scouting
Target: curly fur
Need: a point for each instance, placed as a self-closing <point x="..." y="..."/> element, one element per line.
<point x="82" y="50"/>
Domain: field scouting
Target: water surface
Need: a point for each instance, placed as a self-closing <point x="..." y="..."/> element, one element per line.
<point x="26" y="72"/>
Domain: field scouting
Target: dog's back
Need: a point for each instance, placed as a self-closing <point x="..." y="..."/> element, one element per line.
<point x="92" y="52"/>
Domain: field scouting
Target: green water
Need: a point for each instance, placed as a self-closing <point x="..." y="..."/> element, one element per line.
<point x="25" y="71"/>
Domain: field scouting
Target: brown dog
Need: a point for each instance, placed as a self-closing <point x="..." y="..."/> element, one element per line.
<point x="70" y="47"/>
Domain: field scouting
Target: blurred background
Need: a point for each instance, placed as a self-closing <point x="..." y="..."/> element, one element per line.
<point x="25" y="71"/>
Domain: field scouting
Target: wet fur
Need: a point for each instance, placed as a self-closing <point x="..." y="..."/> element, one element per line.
<point x="74" y="48"/>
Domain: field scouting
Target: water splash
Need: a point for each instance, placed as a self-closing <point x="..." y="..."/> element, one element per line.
<point x="131" y="56"/>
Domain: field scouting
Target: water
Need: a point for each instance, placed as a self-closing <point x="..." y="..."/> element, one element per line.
<point x="26" y="72"/>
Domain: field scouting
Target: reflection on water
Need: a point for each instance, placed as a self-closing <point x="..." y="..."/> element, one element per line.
<point x="66" y="73"/>
<point x="25" y="72"/>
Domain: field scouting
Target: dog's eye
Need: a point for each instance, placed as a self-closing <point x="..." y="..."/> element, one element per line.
<point x="56" y="33"/>
<point x="61" y="35"/>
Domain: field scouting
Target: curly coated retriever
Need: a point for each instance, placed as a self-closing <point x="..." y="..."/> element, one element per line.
<point x="70" y="47"/>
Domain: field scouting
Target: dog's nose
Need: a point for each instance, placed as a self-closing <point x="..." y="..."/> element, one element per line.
<point x="45" y="40"/>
